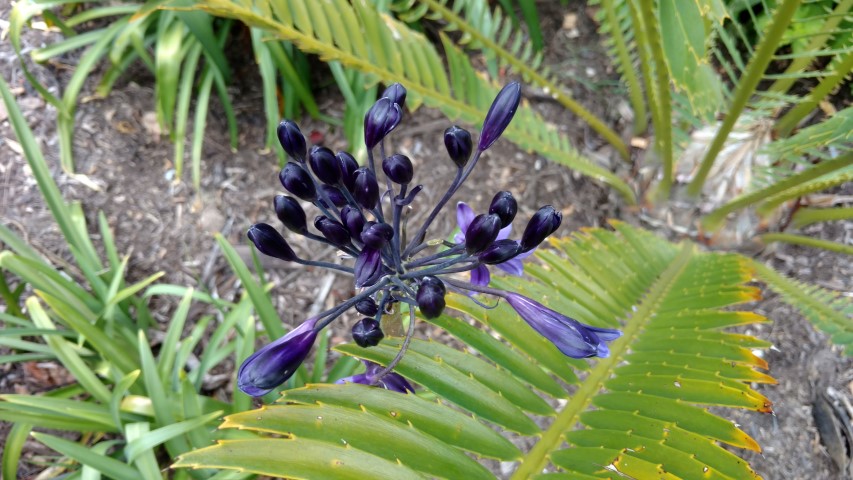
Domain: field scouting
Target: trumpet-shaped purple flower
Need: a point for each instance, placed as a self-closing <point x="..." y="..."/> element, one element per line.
<point x="272" y="365"/>
<point x="391" y="381"/>
<point x="573" y="338"/>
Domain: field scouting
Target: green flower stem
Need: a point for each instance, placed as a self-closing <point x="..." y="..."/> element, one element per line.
<point x="746" y="88"/>
<point x="801" y="63"/>
<point x="808" y="216"/>
<point x="552" y="438"/>
<point x="532" y="75"/>
<point x="715" y="218"/>
<point x="841" y="70"/>
<point x="806" y="242"/>
<point x="663" y="130"/>
<point x="635" y="89"/>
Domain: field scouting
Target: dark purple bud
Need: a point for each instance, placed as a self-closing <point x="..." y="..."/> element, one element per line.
<point x="377" y="235"/>
<point x="368" y="267"/>
<point x="298" y="181"/>
<point x="398" y="168"/>
<point x="504" y="206"/>
<point x="325" y="165"/>
<point x="365" y="189"/>
<point x="499" y="252"/>
<point x="574" y="339"/>
<point x="380" y="120"/>
<point x="288" y="210"/>
<point x="269" y="242"/>
<point x="500" y="114"/>
<point x="459" y="144"/>
<point x="396" y="93"/>
<point x="272" y="365"/>
<point x="334" y="195"/>
<point x="353" y="220"/>
<point x="544" y="222"/>
<point x="366" y="333"/>
<point x="332" y="230"/>
<point x="292" y="140"/>
<point x="430" y="296"/>
<point x="348" y="167"/>
<point x="482" y="232"/>
<point x="367" y="306"/>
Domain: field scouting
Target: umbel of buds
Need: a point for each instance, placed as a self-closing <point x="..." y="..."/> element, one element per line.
<point x="389" y="264"/>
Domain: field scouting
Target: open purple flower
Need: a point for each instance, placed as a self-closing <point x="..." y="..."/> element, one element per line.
<point x="392" y="381"/>
<point x="272" y="365"/>
<point x="480" y="275"/>
<point x="573" y="338"/>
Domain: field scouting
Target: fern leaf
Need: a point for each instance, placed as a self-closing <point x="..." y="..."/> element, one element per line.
<point x="640" y="413"/>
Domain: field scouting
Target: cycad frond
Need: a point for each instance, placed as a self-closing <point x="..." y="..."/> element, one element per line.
<point x="640" y="412"/>
<point x="360" y="38"/>
<point x="829" y="311"/>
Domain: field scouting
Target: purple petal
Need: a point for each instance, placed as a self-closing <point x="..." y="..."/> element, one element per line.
<point x="523" y="255"/>
<point x="480" y="276"/>
<point x="606" y="334"/>
<point x="513" y="266"/>
<point x="273" y="364"/>
<point x="505" y="232"/>
<point x="464" y="216"/>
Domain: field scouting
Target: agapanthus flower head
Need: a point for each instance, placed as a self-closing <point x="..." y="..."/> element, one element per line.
<point x="500" y="114"/>
<point x="272" y="365"/>
<point x="573" y="338"/>
<point x="391" y="265"/>
<point x="292" y="140"/>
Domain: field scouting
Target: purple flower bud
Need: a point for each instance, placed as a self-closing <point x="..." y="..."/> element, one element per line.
<point x="332" y="230"/>
<point x="348" y="167"/>
<point x="288" y="210"/>
<point x="353" y="220"/>
<point x="298" y="181"/>
<point x="365" y="189"/>
<point x="392" y="381"/>
<point x="396" y="93"/>
<point x="482" y="232"/>
<point x="499" y="252"/>
<point x="380" y="120"/>
<point x="272" y="365"/>
<point x="269" y="242"/>
<point x="504" y="206"/>
<point x="292" y="140"/>
<point x="430" y="296"/>
<point x="325" y="165"/>
<point x="398" y="168"/>
<point x="368" y="267"/>
<point x="574" y="339"/>
<point x="367" y="306"/>
<point x="366" y="333"/>
<point x="544" y="222"/>
<point x="458" y="142"/>
<point x="500" y="114"/>
<point x="376" y="235"/>
<point x="335" y="196"/>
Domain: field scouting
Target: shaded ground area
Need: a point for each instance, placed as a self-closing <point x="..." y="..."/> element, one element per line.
<point x="156" y="222"/>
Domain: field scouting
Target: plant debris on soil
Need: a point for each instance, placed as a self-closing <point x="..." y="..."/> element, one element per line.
<point x="162" y="226"/>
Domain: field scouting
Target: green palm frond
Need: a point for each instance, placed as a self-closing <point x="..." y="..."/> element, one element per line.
<point x="494" y="35"/>
<point x="640" y="413"/>
<point x="388" y="51"/>
<point x="829" y="311"/>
